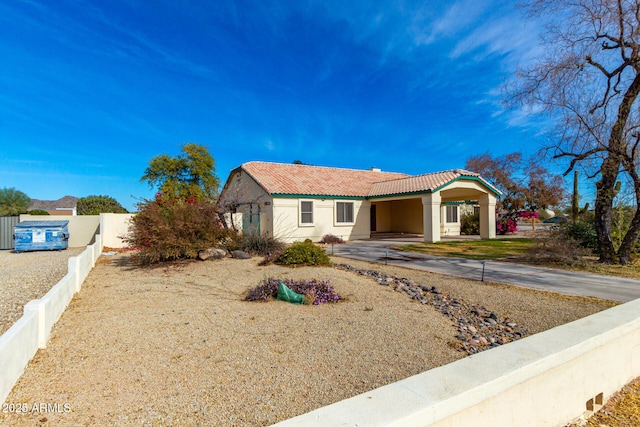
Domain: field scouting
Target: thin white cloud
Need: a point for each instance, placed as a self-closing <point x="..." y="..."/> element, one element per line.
<point x="456" y="19"/>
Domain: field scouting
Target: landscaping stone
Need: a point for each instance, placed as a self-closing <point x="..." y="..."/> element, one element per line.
<point x="211" y="253"/>
<point x="240" y="255"/>
<point x="478" y="328"/>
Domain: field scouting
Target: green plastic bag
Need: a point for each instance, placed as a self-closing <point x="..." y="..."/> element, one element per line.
<point x="286" y="294"/>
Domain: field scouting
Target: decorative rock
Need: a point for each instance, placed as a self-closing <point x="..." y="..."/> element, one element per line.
<point x="240" y="255"/>
<point x="478" y="328"/>
<point x="211" y="253"/>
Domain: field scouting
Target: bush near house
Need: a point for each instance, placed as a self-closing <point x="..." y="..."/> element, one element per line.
<point x="304" y="253"/>
<point x="470" y="224"/>
<point x="168" y="230"/>
<point x="330" y="238"/>
<point x="261" y="245"/>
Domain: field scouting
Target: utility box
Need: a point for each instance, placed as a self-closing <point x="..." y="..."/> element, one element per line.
<point x="40" y="236"/>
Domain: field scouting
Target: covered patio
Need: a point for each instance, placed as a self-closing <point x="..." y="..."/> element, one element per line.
<point x="431" y="208"/>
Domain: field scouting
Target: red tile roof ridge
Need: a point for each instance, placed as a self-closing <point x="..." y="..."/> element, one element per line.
<point x="323" y="167"/>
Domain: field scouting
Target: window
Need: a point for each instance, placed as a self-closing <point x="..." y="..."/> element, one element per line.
<point x="306" y="212"/>
<point x="452" y="214"/>
<point x="344" y="212"/>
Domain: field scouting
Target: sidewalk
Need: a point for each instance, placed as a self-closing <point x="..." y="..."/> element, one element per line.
<point x="548" y="279"/>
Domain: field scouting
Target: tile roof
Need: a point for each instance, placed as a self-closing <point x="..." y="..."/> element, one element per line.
<point x="293" y="179"/>
<point x="281" y="178"/>
<point x="426" y="182"/>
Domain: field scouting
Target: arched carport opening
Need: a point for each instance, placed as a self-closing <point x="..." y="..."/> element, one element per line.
<point x="431" y="212"/>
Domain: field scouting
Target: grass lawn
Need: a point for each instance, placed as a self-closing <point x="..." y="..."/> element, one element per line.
<point x="516" y="250"/>
<point x="474" y="249"/>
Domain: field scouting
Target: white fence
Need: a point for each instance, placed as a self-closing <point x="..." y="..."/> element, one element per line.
<point x="547" y="379"/>
<point x="31" y="332"/>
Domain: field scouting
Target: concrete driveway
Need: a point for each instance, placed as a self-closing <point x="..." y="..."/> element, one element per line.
<point x="548" y="279"/>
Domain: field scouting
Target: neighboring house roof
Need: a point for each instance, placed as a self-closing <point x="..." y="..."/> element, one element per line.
<point x="305" y="180"/>
<point x="66" y="202"/>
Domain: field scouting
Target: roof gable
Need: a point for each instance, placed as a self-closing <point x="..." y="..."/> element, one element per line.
<point x="426" y="183"/>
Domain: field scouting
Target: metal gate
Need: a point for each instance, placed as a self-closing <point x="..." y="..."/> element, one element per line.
<point x="6" y="231"/>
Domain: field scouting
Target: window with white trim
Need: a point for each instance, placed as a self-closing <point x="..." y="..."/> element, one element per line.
<point x="306" y="212"/>
<point x="344" y="212"/>
<point x="452" y="214"/>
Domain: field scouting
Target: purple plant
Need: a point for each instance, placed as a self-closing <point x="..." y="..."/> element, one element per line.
<point x="318" y="291"/>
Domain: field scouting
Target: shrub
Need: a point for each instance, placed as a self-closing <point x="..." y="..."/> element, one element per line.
<point x="506" y="224"/>
<point x="38" y="212"/>
<point x="557" y="248"/>
<point x="470" y="224"/>
<point x="582" y="233"/>
<point x="174" y="230"/>
<point x="304" y="253"/>
<point x="330" y="238"/>
<point x="315" y="291"/>
<point x="261" y="245"/>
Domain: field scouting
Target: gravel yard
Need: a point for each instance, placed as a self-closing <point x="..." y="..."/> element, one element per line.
<point x="177" y="345"/>
<point x="26" y="276"/>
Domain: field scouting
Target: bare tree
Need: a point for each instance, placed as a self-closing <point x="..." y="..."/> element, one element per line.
<point x="524" y="183"/>
<point x="588" y="79"/>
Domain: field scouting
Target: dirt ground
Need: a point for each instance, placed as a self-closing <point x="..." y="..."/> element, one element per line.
<point x="177" y="345"/>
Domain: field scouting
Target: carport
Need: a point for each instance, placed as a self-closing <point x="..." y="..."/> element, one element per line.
<point x="429" y="204"/>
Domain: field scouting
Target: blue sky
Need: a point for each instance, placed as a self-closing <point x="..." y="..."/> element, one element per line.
<point x="91" y="91"/>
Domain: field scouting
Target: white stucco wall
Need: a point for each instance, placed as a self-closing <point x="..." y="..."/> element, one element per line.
<point x="82" y="228"/>
<point x="113" y="227"/>
<point x="287" y="225"/>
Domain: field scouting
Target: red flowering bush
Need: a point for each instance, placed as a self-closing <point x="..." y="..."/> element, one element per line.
<point x="172" y="229"/>
<point x="528" y="215"/>
<point x="506" y="224"/>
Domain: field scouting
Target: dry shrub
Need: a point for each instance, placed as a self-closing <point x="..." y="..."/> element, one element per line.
<point x="557" y="248"/>
<point x="173" y="230"/>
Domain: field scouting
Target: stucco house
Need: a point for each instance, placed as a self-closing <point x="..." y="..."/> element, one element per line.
<point x="297" y="202"/>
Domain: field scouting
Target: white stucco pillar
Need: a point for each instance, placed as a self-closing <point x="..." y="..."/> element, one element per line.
<point x="487" y="216"/>
<point x="431" y="217"/>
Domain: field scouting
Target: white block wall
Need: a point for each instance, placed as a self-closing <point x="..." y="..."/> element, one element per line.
<point x="546" y="379"/>
<point x="21" y="342"/>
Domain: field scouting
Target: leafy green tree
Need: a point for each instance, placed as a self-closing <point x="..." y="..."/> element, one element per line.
<point x="95" y="205"/>
<point x="13" y="202"/>
<point x="188" y="176"/>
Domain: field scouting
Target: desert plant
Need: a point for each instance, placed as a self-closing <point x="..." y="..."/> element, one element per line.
<point x="330" y="238"/>
<point x="470" y="224"/>
<point x="174" y="230"/>
<point x="261" y="245"/>
<point x="581" y="233"/>
<point x="315" y="291"/>
<point x="557" y="248"/>
<point x="304" y="253"/>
